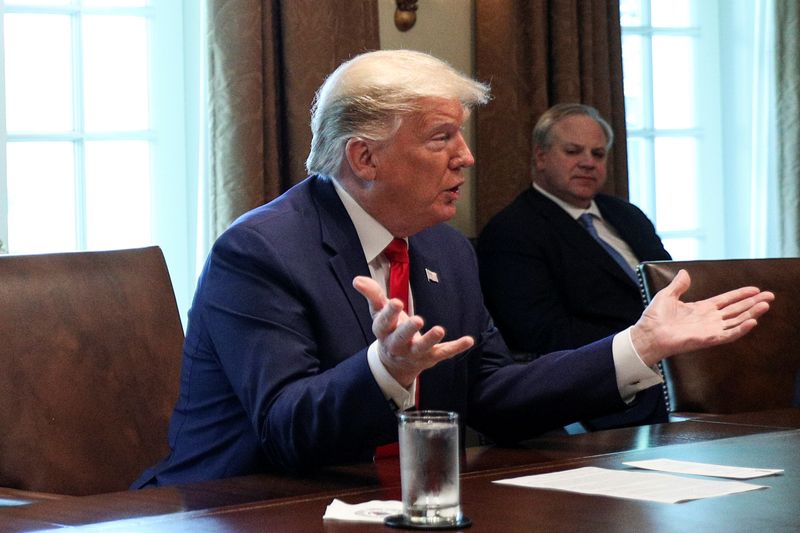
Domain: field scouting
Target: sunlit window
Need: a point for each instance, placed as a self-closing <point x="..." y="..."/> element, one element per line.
<point x="667" y="135"/>
<point x="697" y="79"/>
<point x="93" y="109"/>
<point x="78" y="126"/>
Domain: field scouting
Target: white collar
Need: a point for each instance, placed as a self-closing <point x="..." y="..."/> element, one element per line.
<point x="571" y="210"/>
<point x="373" y="236"/>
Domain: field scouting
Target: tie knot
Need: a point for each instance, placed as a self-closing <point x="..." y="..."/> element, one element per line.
<point x="586" y="220"/>
<point x="397" y="251"/>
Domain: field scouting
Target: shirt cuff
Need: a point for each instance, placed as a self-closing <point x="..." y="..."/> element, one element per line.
<point x="632" y="374"/>
<point x="395" y="393"/>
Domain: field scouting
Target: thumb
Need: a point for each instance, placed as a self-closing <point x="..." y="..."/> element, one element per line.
<point x="679" y="284"/>
<point x="370" y="290"/>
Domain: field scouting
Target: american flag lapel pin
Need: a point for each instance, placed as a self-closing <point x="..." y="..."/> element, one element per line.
<point x="433" y="277"/>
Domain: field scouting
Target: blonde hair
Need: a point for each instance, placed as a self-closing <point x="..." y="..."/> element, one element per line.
<point x="368" y="96"/>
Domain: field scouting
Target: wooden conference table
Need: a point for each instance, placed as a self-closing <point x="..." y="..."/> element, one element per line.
<point x="769" y="439"/>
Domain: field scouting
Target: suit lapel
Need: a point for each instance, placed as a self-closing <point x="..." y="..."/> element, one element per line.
<point x="424" y="277"/>
<point x="346" y="256"/>
<point x="429" y="284"/>
<point x="576" y="237"/>
<point x="627" y="231"/>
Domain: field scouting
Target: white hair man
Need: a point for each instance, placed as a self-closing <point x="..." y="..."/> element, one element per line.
<point x="295" y="358"/>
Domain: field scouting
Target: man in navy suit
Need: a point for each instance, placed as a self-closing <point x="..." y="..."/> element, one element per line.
<point x="294" y="357"/>
<point x="548" y="283"/>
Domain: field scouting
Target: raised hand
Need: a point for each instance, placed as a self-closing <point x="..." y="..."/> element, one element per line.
<point x="403" y="350"/>
<point x="669" y="326"/>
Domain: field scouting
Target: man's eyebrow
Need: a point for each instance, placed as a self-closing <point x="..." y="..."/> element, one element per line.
<point x="441" y="123"/>
<point x="571" y="144"/>
<point x="435" y="126"/>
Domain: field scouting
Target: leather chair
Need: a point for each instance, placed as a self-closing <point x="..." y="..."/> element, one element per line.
<point x="754" y="373"/>
<point x="90" y="349"/>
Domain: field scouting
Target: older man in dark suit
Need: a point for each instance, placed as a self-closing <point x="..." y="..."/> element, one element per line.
<point x="557" y="265"/>
<point x="294" y="356"/>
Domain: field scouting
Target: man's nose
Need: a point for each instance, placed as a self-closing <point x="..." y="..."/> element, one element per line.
<point x="463" y="157"/>
<point x="586" y="160"/>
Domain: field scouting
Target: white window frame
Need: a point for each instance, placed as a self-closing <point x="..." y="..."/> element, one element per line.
<point x="709" y="232"/>
<point x="174" y="122"/>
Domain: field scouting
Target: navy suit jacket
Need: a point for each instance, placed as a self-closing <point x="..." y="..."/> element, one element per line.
<point x="275" y="374"/>
<point x="550" y="286"/>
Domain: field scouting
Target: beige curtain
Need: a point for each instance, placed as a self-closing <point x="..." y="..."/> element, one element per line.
<point x="536" y="53"/>
<point x="787" y="81"/>
<point x="266" y="59"/>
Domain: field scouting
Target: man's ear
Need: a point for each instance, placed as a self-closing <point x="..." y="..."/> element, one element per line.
<point x="361" y="158"/>
<point x="538" y="157"/>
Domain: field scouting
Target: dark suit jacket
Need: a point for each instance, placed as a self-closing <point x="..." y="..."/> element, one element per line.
<point x="275" y="374"/>
<point x="550" y="286"/>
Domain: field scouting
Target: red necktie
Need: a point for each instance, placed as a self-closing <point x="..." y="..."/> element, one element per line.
<point x="397" y="254"/>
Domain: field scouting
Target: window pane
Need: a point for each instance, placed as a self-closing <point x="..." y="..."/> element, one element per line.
<point x="673" y="82"/>
<point x="671" y="13"/>
<point x="630" y="13"/>
<point x="116" y="3"/>
<point x="41" y="197"/>
<point x="639" y="178"/>
<point x="115" y="69"/>
<point x="117" y="194"/>
<point x="633" y="82"/>
<point x="683" y="249"/>
<point x="38" y="73"/>
<point x="27" y="3"/>
<point x="676" y="184"/>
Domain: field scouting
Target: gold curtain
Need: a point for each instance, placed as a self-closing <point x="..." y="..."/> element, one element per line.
<point x="787" y="81"/>
<point x="537" y="53"/>
<point x="266" y="59"/>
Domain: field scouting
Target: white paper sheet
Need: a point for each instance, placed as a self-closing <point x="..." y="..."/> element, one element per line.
<point x="371" y="511"/>
<point x="647" y="486"/>
<point x="703" y="469"/>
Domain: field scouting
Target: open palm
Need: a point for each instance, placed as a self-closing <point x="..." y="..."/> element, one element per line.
<point x="669" y="326"/>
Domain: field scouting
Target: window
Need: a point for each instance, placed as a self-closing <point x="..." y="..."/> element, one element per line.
<point x="94" y="107"/>
<point x="697" y="100"/>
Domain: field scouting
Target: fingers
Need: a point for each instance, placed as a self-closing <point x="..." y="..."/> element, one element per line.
<point x="753" y="306"/>
<point x="725" y="299"/>
<point x="737" y="332"/>
<point x="446" y="350"/>
<point x="402" y="332"/>
<point x="392" y="319"/>
<point x="404" y="349"/>
<point x="406" y="341"/>
<point x="370" y="290"/>
<point x="431" y="344"/>
<point x="749" y="314"/>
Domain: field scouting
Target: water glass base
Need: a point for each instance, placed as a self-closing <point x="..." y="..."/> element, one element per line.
<point x="402" y="522"/>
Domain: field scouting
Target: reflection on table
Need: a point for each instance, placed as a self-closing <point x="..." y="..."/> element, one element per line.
<point x="281" y="503"/>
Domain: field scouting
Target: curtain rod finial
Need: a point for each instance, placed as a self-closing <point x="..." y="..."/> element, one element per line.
<point x="405" y="16"/>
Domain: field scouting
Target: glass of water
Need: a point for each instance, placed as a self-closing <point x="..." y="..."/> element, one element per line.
<point x="429" y="471"/>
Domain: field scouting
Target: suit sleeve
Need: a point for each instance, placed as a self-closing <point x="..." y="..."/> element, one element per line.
<point x="308" y="394"/>
<point x="514" y="402"/>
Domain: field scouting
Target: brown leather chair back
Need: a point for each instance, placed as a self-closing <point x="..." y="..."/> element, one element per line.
<point x="90" y="349"/>
<point x="753" y="373"/>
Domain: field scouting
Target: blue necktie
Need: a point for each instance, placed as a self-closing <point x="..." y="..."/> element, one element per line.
<point x="587" y="222"/>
